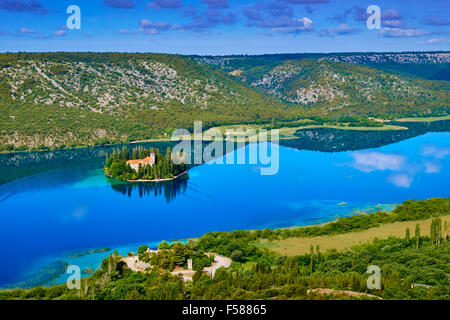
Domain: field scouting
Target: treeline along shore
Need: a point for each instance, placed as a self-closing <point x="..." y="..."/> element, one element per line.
<point x="415" y="266"/>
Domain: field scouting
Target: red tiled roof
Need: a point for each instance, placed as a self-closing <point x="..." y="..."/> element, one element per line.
<point x="141" y="161"/>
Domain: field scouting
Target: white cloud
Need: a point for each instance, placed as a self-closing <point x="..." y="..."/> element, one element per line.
<point x="26" y="30"/>
<point x="78" y="213"/>
<point x="400" y="32"/>
<point x="126" y="31"/>
<point x="151" y="27"/>
<point x="401" y="180"/>
<point x="435" y="152"/>
<point x="60" y="33"/>
<point x="343" y="29"/>
<point x="297" y="25"/>
<point x="402" y="171"/>
<point x="437" y="40"/>
<point x="432" y="167"/>
<point x="372" y="161"/>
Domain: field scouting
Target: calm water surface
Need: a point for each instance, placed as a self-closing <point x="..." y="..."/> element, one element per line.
<point x="48" y="214"/>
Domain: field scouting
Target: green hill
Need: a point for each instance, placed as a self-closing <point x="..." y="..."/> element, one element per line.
<point x="424" y="65"/>
<point x="342" y="88"/>
<point x="54" y="100"/>
<point x="64" y="99"/>
<point x="340" y="85"/>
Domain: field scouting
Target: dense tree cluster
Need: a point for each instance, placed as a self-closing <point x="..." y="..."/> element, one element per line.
<point x="164" y="168"/>
<point x="176" y="254"/>
<point x="410" y="210"/>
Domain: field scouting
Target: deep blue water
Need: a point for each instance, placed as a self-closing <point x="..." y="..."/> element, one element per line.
<point x="53" y="212"/>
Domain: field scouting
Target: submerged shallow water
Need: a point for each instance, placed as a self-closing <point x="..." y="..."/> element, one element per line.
<point x="44" y="216"/>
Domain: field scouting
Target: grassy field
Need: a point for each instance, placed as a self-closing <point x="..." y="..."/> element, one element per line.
<point x="428" y="119"/>
<point x="239" y="131"/>
<point x="299" y="246"/>
<point x="242" y="131"/>
<point x="288" y="132"/>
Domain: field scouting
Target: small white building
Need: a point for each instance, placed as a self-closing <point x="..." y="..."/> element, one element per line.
<point x="134" y="164"/>
<point x="151" y="251"/>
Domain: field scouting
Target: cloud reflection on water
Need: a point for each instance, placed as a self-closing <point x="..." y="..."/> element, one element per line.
<point x="434" y="151"/>
<point x="403" y="170"/>
<point x="401" y="179"/>
<point x="432" y="166"/>
<point x="374" y="161"/>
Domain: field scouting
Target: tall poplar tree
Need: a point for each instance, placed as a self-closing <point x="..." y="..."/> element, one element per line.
<point x="417" y="235"/>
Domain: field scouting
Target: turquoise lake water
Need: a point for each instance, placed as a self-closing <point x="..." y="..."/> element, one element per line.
<point x="44" y="216"/>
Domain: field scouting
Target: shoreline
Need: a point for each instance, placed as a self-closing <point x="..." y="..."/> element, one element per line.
<point x="153" y="180"/>
<point x="86" y="261"/>
<point x="160" y="180"/>
<point x="168" y="139"/>
<point x="314" y="224"/>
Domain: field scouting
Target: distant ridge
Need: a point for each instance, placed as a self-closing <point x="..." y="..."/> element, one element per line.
<point x="63" y="99"/>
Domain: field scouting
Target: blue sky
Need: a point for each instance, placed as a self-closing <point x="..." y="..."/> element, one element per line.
<point x="224" y="26"/>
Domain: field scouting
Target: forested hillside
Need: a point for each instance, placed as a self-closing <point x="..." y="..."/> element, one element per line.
<point x="64" y="99"/>
<point x="59" y="100"/>
<point x="382" y="85"/>
<point x="425" y="65"/>
<point x="342" y="88"/>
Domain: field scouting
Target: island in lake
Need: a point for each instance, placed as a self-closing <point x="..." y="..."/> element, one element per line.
<point x="143" y="165"/>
